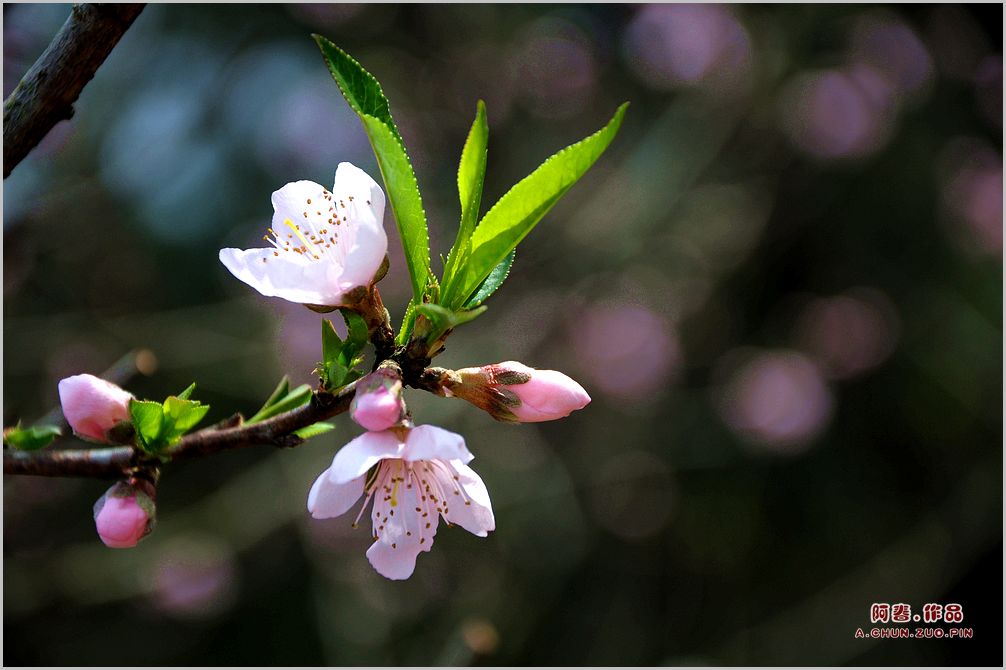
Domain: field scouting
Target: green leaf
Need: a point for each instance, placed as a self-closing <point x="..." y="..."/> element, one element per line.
<point x="471" y="177"/>
<point x="336" y="375"/>
<point x="280" y="392"/>
<point x="356" y="335"/>
<point x="367" y="99"/>
<point x="314" y="429"/>
<point x="408" y="321"/>
<point x="30" y="439"/>
<point x="181" y="416"/>
<point x="360" y="88"/>
<point x="523" y="206"/>
<point x="444" y="319"/>
<point x="159" y="425"/>
<point x="406" y="202"/>
<point x="340" y="357"/>
<point x="148" y="420"/>
<point x="284" y="403"/>
<point x="184" y="395"/>
<point x="331" y="343"/>
<point x="492" y="282"/>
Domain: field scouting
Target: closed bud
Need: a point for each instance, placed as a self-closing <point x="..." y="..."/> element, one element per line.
<point x="511" y="391"/>
<point x="125" y="514"/>
<point x="378" y="403"/>
<point x="93" y="406"/>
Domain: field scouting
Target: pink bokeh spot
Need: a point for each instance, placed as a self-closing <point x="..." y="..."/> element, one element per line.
<point x="894" y="49"/>
<point x="626" y="350"/>
<point x="849" y="334"/>
<point x="973" y="193"/>
<point x="838" y="113"/>
<point x="680" y="44"/>
<point x="555" y="68"/>
<point x="193" y="579"/>
<point x="777" y="400"/>
<point x="977" y="196"/>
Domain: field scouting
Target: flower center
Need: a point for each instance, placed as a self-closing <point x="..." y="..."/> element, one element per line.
<point x="312" y="238"/>
<point x="429" y="485"/>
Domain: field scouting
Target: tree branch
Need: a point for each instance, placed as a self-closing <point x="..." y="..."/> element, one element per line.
<point x="114" y="462"/>
<point x="408" y="362"/>
<point x="117" y="462"/>
<point x="46" y="94"/>
<point x="110" y="463"/>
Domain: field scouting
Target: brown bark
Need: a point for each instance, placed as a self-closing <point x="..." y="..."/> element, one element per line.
<point x="46" y="94"/>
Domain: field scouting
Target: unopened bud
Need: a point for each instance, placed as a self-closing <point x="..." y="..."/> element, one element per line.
<point x="125" y="514"/>
<point x="378" y="403"/>
<point x="511" y="391"/>
<point x="93" y="406"/>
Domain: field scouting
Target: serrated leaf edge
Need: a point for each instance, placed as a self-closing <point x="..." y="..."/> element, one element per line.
<point x="613" y="125"/>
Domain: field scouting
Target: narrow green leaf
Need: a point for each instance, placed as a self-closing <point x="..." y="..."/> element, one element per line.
<point x="331" y="348"/>
<point x="314" y="429"/>
<point x="356" y="335"/>
<point x="444" y="319"/>
<point x="280" y="392"/>
<point x="492" y="282"/>
<point x="367" y="99"/>
<point x="360" y="88"/>
<point x="406" y="202"/>
<point x="471" y="177"/>
<point x="472" y="169"/>
<point x="148" y="420"/>
<point x="331" y="343"/>
<point x="408" y="321"/>
<point x="30" y="439"/>
<point x="184" y="395"/>
<point x="523" y="206"/>
<point x="292" y="400"/>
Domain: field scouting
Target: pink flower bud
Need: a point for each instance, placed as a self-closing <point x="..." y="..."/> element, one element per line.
<point x="93" y="406"/>
<point x="123" y="516"/>
<point x="378" y="403"/>
<point x="511" y="391"/>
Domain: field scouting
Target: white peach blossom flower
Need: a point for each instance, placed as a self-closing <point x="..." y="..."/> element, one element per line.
<point x="421" y="474"/>
<point x="324" y="243"/>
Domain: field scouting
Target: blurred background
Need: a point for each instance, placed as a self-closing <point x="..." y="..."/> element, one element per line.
<point x="781" y="286"/>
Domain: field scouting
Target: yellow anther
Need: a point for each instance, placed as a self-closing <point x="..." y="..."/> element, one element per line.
<point x="289" y="224"/>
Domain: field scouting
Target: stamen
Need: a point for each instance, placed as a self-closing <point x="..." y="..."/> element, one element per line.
<point x="296" y="230"/>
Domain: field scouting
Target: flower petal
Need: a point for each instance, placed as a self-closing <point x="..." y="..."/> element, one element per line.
<point x="362" y="453"/>
<point x="401" y="534"/>
<point x="329" y="499"/>
<point x="287" y="275"/>
<point x="364" y="242"/>
<point x="547" y="396"/>
<point x="469" y="508"/>
<point x="427" y="443"/>
<point x="305" y="204"/>
<point x="92" y="405"/>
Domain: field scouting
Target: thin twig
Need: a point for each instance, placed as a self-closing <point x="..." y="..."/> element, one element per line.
<point x="110" y="463"/>
<point x="408" y="362"/>
<point x="46" y="94"/>
<point x="114" y="462"/>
